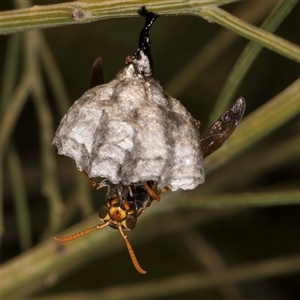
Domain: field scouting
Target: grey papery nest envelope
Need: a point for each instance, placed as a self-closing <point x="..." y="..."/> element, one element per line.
<point x="130" y="130"/>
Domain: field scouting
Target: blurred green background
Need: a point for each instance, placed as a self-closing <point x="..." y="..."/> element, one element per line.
<point x="171" y="242"/>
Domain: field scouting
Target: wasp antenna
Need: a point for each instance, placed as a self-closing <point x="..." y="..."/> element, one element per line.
<point x="80" y="234"/>
<point x="131" y="252"/>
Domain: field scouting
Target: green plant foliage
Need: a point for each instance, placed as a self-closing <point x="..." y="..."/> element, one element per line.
<point x="234" y="237"/>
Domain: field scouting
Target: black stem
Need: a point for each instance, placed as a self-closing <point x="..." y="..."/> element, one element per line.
<point x="144" y="41"/>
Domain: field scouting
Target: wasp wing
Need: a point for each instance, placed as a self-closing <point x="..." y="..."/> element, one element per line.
<point x="220" y="131"/>
<point x="97" y="73"/>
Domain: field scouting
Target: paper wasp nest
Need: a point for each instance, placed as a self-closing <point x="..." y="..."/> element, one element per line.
<point x="131" y="130"/>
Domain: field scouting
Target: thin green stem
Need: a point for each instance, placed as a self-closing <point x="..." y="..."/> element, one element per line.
<point x="205" y="254"/>
<point x="13" y="110"/>
<point x="20" y="198"/>
<point x="11" y="103"/>
<point x="10" y="70"/>
<point x="50" y="183"/>
<point x="246" y="59"/>
<point x="45" y="16"/>
<point x="266" y="39"/>
<point x="171" y="286"/>
<point x="79" y="198"/>
<point x="54" y="76"/>
<point x="252" y="12"/>
<point x="83" y="194"/>
<point x="192" y="200"/>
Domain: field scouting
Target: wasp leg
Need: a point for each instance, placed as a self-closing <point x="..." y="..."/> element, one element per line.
<point x="96" y="185"/>
<point x="130" y="191"/>
<point x="165" y="189"/>
<point x="150" y="191"/>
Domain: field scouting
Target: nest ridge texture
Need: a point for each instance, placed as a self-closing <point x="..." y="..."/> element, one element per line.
<point x="130" y="130"/>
